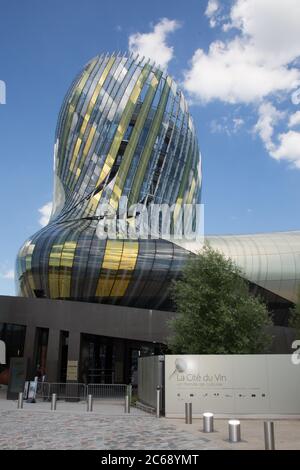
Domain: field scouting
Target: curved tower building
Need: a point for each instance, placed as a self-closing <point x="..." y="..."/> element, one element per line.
<point x="124" y="133"/>
<point x="124" y="137"/>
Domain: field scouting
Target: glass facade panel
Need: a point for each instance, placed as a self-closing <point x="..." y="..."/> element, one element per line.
<point x="122" y="130"/>
<point x="14" y="338"/>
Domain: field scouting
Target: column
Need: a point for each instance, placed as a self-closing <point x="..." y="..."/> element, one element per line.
<point x="74" y="392"/>
<point x="53" y="356"/>
<point x="29" y="349"/>
<point x="73" y="356"/>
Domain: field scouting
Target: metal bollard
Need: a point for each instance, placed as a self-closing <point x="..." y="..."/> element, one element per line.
<point x="127" y="404"/>
<point x="208" y="422"/>
<point x="53" y="402"/>
<point x="234" y="427"/>
<point x="129" y="392"/>
<point x="89" y="403"/>
<point x="158" y="401"/>
<point x="188" y="413"/>
<point x="20" y="400"/>
<point x="269" y="435"/>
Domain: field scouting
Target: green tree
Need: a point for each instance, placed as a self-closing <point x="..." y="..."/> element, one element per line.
<point x="294" y="320"/>
<point x="216" y="314"/>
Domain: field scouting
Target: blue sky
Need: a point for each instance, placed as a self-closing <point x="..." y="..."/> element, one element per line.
<point x="237" y="62"/>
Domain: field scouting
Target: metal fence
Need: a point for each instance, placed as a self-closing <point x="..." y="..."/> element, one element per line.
<point x="43" y="391"/>
<point x="80" y="391"/>
<point x="107" y="391"/>
<point x="68" y="390"/>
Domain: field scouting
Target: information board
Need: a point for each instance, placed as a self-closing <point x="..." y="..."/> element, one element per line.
<point x="232" y="384"/>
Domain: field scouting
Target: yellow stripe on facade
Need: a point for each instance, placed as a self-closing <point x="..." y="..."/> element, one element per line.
<point x="72" y="106"/>
<point x="192" y="191"/>
<point x="148" y="148"/>
<point x="89" y="111"/>
<point x="127" y="265"/>
<point x="133" y="141"/>
<point x="119" y="261"/>
<point x="54" y="262"/>
<point x="28" y="266"/>
<point x="66" y="261"/>
<point x="111" y="261"/>
<point x="123" y="125"/>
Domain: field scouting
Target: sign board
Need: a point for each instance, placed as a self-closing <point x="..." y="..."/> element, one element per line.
<point x="17" y="375"/>
<point x="32" y="389"/>
<point x="26" y="389"/>
<point x="72" y="370"/>
<point x="232" y="384"/>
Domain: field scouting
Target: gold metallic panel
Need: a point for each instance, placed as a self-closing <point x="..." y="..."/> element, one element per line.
<point x="127" y="265"/>
<point x="133" y="141"/>
<point x="90" y="110"/>
<point x="123" y="125"/>
<point x="111" y="261"/>
<point x="156" y="123"/>
<point x="72" y="106"/>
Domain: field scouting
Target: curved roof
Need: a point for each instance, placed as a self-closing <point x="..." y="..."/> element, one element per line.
<point x="270" y="260"/>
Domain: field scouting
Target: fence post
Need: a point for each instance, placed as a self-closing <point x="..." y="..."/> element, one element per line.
<point x="188" y="413"/>
<point x="53" y="402"/>
<point x="269" y="435"/>
<point x="158" y="395"/>
<point x="129" y="392"/>
<point x="234" y="428"/>
<point x="89" y="403"/>
<point x="20" y="400"/>
<point x="208" y="422"/>
<point x="127" y="404"/>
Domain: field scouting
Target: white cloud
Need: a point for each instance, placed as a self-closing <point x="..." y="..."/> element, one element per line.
<point x="212" y="8"/>
<point x="294" y="119"/>
<point x="237" y="124"/>
<point x="226" y="125"/>
<point x="268" y="117"/>
<point x="153" y="45"/>
<point x="271" y="26"/>
<point x="10" y="274"/>
<point x="288" y="148"/>
<point x="45" y="212"/>
<point x="211" y="11"/>
<point x="256" y="62"/>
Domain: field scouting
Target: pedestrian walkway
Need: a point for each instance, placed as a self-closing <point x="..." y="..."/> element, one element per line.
<point x="25" y="429"/>
<point x="108" y="427"/>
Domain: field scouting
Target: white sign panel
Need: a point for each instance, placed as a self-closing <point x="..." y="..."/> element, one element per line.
<point x="239" y="384"/>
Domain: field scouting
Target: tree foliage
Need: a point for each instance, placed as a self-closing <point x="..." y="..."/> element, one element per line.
<point x="216" y="314"/>
<point x="294" y="320"/>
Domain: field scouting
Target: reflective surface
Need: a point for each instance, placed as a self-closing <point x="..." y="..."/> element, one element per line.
<point x="269" y="260"/>
<point x="123" y="130"/>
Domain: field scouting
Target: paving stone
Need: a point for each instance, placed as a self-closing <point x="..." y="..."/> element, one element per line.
<point x="36" y="430"/>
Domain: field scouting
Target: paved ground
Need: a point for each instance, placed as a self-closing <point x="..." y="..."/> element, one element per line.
<point x="287" y="433"/>
<point x="107" y="427"/>
<point x="22" y="429"/>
